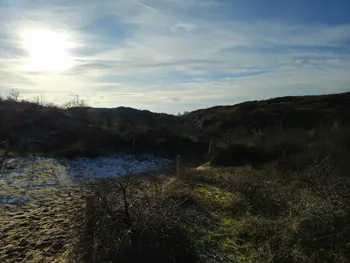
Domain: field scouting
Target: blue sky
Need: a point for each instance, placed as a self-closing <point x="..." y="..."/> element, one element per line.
<point x="173" y="55"/>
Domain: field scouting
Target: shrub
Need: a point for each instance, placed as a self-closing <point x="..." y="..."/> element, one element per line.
<point x="263" y="197"/>
<point x="133" y="221"/>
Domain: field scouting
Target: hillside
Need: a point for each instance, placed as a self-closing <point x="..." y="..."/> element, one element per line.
<point x="92" y="131"/>
<point x="262" y="130"/>
<point x="285" y="113"/>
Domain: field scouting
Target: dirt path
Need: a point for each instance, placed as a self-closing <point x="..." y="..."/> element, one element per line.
<point x="41" y="233"/>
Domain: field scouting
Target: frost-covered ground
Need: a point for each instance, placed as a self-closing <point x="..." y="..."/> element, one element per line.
<point x="20" y="175"/>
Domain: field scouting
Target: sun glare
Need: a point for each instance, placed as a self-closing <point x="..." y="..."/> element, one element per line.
<point x="47" y="51"/>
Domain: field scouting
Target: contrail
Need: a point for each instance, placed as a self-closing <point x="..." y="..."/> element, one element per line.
<point x="156" y="10"/>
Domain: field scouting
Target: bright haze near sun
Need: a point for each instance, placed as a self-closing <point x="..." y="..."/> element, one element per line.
<point x="47" y="50"/>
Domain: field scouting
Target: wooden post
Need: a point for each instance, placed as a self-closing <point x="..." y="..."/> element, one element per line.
<point x="210" y="145"/>
<point x="7" y="147"/>
<point x="178" y="165"/>
<point x="133" y="143"/>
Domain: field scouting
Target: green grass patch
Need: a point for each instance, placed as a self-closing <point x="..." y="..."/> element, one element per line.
<point x="219" y="201"/>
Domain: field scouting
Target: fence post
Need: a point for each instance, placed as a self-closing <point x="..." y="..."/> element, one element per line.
<point x="7" y="147"/>
<point x="210" y="145"/>
<point x="178" y="165"/>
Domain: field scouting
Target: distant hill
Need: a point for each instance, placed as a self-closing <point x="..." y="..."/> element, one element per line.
<point x="286" y="112"/>
<point x="93" y="131"/>
<point x="128" y="114"/>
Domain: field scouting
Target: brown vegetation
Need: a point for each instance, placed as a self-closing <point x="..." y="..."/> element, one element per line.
<point x="277" y="189"/>
<point x="133" y="220"/>
<point x="294" y="209"/>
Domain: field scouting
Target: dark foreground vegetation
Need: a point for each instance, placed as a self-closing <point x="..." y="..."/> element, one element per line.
<point x="295" y="209"/>
<point x="275" y="188"/>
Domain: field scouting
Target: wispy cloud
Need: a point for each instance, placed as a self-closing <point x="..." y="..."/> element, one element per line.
<point x="168" y="55"/>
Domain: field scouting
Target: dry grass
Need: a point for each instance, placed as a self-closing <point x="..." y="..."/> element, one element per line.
<point x="293" y="210"/>
<point x="41" y="232"/>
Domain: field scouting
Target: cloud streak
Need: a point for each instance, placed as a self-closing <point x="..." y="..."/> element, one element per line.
<point x="162" y="56"/>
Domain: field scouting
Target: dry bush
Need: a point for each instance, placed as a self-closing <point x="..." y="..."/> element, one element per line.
<point x="241" y="154"/>
<point x="313" y="224"/>
<point x="293" y="210"/>
<point x="262" y="197"/>
<point x="133" y="221"/>
<point x="288" y="224"/>
<point x="325" y="179"/>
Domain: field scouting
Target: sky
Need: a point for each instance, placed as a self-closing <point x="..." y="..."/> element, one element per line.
<point x="173" y="55"/>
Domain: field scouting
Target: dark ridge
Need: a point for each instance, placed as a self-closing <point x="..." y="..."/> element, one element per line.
<point x="94" y="131"/>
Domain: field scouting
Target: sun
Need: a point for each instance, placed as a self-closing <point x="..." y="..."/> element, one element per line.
<point x="47" y="50"/>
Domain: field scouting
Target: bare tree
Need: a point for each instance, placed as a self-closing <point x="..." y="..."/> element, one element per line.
<point x="13" y="95"/>
<point x="75" y="103"/>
